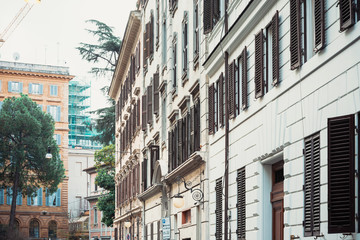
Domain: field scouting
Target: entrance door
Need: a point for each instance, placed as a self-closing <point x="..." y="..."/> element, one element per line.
<point x="277" y="201"/>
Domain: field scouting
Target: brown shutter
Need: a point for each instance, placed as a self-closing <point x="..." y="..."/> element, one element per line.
<point x="231" y="75"/>
<point x="138" y="113"/>
<point x="319" y="14"/>
<point x="144" y="174"/>
<point x="275" y="49"/>
<point x="143" y="117"/>
<point x="158" y="230"/>
<point x="156" y="94"/>
<point x="207" y="16"/>
<point x="149" y="107"/>
<point x="244" y="87"/>
<point x="218" y="210"/>
<point x="312" y="186"/>
<point x="192" y="129"/>
<point x="259" y="64"/>
<point x="341" y="170"/>
<point x="221" y="100"/>
<point x="240" y="205"/>
<point x="211" y="109"/>
<point x="175" y="146"/>
<point x="144" y="48"/>
<point x="180" y="140"/>
<point x="295" y="44"/>
<point x="216" y="10"/>
<point x="170" y="151"/>
<point x="347" y="14"/>
<point x="152" y="231"/>
<point x="151" y="36"/>
<point x="197" y="129"/>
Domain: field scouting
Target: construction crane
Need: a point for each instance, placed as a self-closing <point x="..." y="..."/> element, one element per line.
<point x="16" y="21"/>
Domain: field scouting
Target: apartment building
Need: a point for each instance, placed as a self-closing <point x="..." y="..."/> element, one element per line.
<point x="43" y="216"/>
<point x="283" y="84"/>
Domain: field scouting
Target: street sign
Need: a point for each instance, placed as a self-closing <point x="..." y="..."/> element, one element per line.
<point x="165" y="222"/>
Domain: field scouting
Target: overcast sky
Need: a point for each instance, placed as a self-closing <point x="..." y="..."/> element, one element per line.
<point x="52" y="29"/>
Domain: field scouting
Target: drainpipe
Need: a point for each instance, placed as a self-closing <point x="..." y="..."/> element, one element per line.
<point x="226" y="147"/>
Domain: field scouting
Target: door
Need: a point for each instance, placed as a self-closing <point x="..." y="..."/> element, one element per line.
<point x="277" y="201"/>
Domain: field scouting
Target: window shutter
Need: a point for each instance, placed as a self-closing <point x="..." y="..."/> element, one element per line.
<point x="9" y="86"/>
<point x="156" y="94"/>
<point x="58" y="113"/>
<point x="180" y="140"/>
<point x="151" y="40"/>
<point x="295" y="44"/>
<point x="221" y="100"/>
<point x="175" y="146"/>
<point x="207" y="16"/>
<point x="216" y="11"/>
<point x="211" y="109"/>
<point x="138" y="113"/>
<point x="19" y="199"/>
<point x="144" y="174"/>
<point x="41" y="88"/>
<point x="143" y="117"/>
<point x="30" y="87"/>
<point x="39" y="196"/>
<point x="275" y="49"/>
<point x="1" y="196"/>
<point x="192" y="130"/>
<point x="20" y="87"/>
<point x="58" y="197"/>
<point x="312" y="186"/>
<point x="46" y="197"/>
<point x="8" y="196"/>
<point x="144" y="48"/>
<point x="148" y="36"/>
<point x="319" y="15"/>
<point x="341" y="170"/>
<point x="240" y="206"/>
<point x="259" y="65"/>
<point x="152" y="231"/>
<point x="244" y="87"/>
<point x="347" y="14"/>
<point x="170" y="151"/>
<point x="231" y="75"/>
<point x="149" y="102"/>
<point x="218" y="210"/>
<point x="197" y="126"/>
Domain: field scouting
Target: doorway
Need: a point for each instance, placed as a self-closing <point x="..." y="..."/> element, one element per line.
<point x="277" y="200"/>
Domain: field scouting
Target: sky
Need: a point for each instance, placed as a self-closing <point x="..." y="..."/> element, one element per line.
<point x="52" y="30"/>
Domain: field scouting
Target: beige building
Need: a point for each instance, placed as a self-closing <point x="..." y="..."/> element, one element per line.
<point x="43" y="216"/>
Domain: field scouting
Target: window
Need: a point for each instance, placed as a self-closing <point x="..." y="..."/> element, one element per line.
<point x="211" y="14"/>
<point x="341" y="172"/>
<point x="157" y="23"/>
<point x="312" y="186"/>
<point x="185" y="47"/>
<point x="9" y="197"/>
<point x="240" y="205"/>
<point x="35" y="199"/>
<point x="307" y="31"/>
<point x="196" y="32"/>
<point x="347" y="14"/>
<point x="163" y="119"/>
<point x="95" y="216"/>
<point x="1" y="196"/>
<point x="35" y="88"/>
<point x="53" y="199"/>
<point x="174" y="61"/>
<point x="173" y="6"/>
<point x="186" y="217"/>
<point x="57" y="138"/>
<point x="151" y="36"/>
<point x="164" y="40"/>
<point x="34" y="228"/>
<point x="267" y="57"/>
<point x="53" y="90"/>
<point x="1" y="103"/>
<point x="15" y="87"/>
<point x="156" y="94"/>
<point x="52" y="228"/>
<point x="150" y="105"/>
<point x="218" y="210"/>
<point x="55" y="112"/>
<point x="216" y="105"/>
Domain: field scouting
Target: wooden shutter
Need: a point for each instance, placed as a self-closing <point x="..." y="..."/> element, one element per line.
<point x="144" y="174"/>
<point x="341" y="170"/>
<point x="152" y="231"/>
<point x="138" y="113"/>
<point x="347" y="14"/>
<point x="156" y="94"/>
<point x="148" y="36"/>
<point x="175" y="146"/>
<point x="216" y="10"/>
<point x="197" y="130"/>
<point x="259" y="64"/>
<point x="275" y="48"/>
<point x="231" y="76"/>
<point x="218" y="210"/>
<point x="319" y="15"/>
<point x="240" y="205"/>
<point x="185" y="137"/>
<point x="158" y="230"/>
<point x="143" y="114"/>
<point x="180" y="140"/>
<point x="312" y="186"/>
<point x="211" y="109"/>
<point x="221" y="100"/>
<point x="192" y="129"/>
<point x="170" y="153"/>
<point x="151" y="35"/>
<point x="295" y="44"/>
<point x="207" y="19"/>
<point x="149" y="102"/>
<point x="244" y="87"/>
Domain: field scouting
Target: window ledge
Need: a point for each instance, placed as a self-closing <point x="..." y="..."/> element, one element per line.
<point x="151" y="191"/>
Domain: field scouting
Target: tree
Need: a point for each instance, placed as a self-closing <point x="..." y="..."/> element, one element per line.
<point x="26" y="132"/>
<point x="105" y="168"/>
<point x="106" y="52"/>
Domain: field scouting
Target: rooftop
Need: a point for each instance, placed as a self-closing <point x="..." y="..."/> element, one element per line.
<point x="37" y="68"/>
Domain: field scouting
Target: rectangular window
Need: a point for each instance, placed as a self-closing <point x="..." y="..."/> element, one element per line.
<point x="341" y="172"/>
<point x="211" y="109"/>
<point x="53" y="199"/>
<point x="57" y="138"/>
<point x="35" y="88"/>
<point x="53" y="90"/>
<point x="186" y="217"/>
<point x="185" y="48"/>
<point x="164" y="45"/>
<point x="312" y="186"/>
<point x="211" y="14"/>
<point x="9" y="193"/>
<point x="240" y="205"/>
<point x="15" y="87"/>
<point x="35" y="199"/>
<point x="347" y="14"/>
<point x="55" y="112"/>
<point x="216" y="106"/>
<point x="95" y="216"/>
<point x="174" y="63"/>
<point x="218" y="210"/>
<point x="196" y="32"/>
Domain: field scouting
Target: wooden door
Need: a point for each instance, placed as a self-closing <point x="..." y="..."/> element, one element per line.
<point x="277" y="197"/>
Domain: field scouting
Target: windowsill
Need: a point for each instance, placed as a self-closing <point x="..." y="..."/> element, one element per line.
<point x="184" y="78"/>
<point x="174" y="93"/>
<point x="196" y="61"/>
<point x="164" y="68"/>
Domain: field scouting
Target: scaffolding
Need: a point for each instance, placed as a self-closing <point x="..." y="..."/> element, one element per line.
<point x="80" y="135"/>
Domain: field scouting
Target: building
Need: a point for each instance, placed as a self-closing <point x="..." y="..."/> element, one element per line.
<point x="42" y="216"/>
<point x="161" y="174"/>
<point x="80" y="136"/>
<point x="283" y="104"/>
<point x="97" y="229"/>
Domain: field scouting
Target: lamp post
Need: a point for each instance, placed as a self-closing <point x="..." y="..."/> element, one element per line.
<point x="196" y="193"/>
<point x="48" y="154"/>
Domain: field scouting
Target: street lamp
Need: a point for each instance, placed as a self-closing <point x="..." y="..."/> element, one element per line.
<point x="48" y="154"/>
<point x="178" y="201"/>
<point x="196" y="193"/>
<point x="127" y="224"/>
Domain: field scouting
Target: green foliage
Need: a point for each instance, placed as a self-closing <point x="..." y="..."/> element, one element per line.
<point x="105" y="125"/>
<point x="105" y="168"/>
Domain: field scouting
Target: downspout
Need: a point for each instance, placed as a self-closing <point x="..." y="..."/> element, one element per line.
<point x="226" y="147"/>
<point x="143" y="221"/>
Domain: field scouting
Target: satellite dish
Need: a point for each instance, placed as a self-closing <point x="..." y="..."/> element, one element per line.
<point x="16" y="56"/>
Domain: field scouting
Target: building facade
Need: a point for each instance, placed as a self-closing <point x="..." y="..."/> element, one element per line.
<point x="44" y="216"/>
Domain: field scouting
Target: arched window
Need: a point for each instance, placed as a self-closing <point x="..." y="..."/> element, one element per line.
<point x="52" y="229"/>
<point x="34" y="229"/>
<point x="17" y="225"/>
